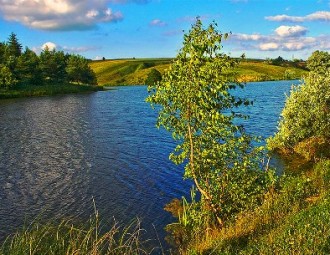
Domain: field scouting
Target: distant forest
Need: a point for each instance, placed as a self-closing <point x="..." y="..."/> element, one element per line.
<point x="20" y="67"/>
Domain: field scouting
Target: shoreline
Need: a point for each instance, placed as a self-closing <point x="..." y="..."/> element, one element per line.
<point x="47" y="90"/>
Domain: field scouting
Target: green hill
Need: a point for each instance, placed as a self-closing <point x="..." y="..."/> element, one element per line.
<point x="135" y="71"/>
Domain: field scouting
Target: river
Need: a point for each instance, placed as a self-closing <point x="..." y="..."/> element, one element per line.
<point x="59" y="154"/>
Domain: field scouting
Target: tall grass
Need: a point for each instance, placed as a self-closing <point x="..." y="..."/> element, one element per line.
<point x="68" y="238"/>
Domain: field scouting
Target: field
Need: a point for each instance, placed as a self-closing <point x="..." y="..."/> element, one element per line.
<point x="135" y="71"/>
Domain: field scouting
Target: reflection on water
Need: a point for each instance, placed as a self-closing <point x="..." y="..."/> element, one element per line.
<point x="59" y="153"/>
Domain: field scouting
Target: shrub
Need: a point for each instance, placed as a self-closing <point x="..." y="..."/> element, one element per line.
<point x="305" y="117"/>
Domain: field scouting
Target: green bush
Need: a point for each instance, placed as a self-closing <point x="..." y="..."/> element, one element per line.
<point x="306" y="114"/>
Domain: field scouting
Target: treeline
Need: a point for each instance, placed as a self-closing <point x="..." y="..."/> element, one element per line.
<point x="51" y="67"/>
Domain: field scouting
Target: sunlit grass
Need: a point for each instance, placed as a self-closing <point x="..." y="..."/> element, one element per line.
<point x="68" y="238"/>
<point x="295" y="219"/>
<point x="135" y="71"/>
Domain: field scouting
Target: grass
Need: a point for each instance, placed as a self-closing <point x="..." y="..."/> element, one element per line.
<point x="67" y="238"/>
<point x="126" y="71"/>
<point x="294" y="219"/>
<point x="261" y="71"/>
<point x="135" y="71"/>
<point x="46" y="90"/>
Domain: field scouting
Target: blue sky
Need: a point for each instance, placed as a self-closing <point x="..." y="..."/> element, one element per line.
<point x="154" y="28"/>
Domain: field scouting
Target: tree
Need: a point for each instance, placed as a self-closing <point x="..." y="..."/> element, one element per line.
<point x="14" y="47"/>
<point x="28" y="68"/>
<point x="278" y="61"/>
<point x="153" y="77"/>
<point x="79" y="71"/>
<point x="319" y="62"/>
<point x="2" y="52"/>
<point x="7" y="79"/>
<point x="53" y="66"/>
<point x="305" y="119"/>
<point x="197" y="106"/>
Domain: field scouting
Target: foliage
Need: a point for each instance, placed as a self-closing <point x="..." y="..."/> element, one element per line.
<point x="197" y="107"/>
<point x="153" y="77"/>
<point x="28" y="70"/>
<point x="278" y="61"/>
<point x="294" y="219"/>
<point x="79" y="71"/>
<point x="319" y="62"/>
<point x="14" y="48"/>
<point x="7" y="78"/>
<point x="306" y="113"/>
<point x="51" y="67"/>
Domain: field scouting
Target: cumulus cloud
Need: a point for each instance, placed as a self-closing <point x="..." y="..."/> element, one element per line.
<point x="316" y="16"/>
<point x="157" y="23"/>
<point x="269" y="46"/>
<point x="53" y="46"/>
<point x="49" y="46"/>
<point x="59" y="14"/>
<point x="247" y="37"/>
<point x="281" y="40"/>
<point x="291" y="31"/>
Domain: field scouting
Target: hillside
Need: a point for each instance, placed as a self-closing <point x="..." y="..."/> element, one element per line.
<point x="135" y="71"/>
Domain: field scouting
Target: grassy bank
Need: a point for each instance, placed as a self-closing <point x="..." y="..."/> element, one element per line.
<point x="46" y="90"/>
<point x="67" y="238"/>
<point x="295" y="219"/>
<point x="135" y="71"/>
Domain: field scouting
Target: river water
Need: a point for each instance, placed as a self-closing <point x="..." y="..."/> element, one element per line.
<point x="59" y="154"/>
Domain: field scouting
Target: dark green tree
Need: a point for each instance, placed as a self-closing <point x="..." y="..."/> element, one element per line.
<point x="53" y="66"/>
<point x="14" y="48"/>
<point x="79" y="71"/>
<point x="153" y="77"/>
<point x="2" y="52"/>
<point x="28" y="68"/>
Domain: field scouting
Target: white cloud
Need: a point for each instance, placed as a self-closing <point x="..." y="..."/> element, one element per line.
<point x="247" y="37"/>
<point x="316" y="16"/>
<point x="98" y="58"/>
<point x="59" y="14"/>
<point x="291" y="41"/>
<point x="269" y="46"/>
<point x="320" y="16"/>
<point x="157" y="23"/>
<point x="49" y="46"/>
<point x="291" y="31"/>
<point x="285" y="18"/>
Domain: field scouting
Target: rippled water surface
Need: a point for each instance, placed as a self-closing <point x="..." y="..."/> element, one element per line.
<point x="59" y="153"/>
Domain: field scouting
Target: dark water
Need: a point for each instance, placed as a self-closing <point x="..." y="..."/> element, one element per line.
<point x="59" y="153"/>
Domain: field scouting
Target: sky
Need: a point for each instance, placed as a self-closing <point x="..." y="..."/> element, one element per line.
<point x="292" y="29"/>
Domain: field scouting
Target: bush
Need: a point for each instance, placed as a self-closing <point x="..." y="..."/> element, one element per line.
<point x="154" y="76"/>
<point x="306" y="115"/>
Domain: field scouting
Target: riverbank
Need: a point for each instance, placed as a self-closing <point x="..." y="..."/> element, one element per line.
<point x="295" y="219"/>
<point x="46" y="90"/>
